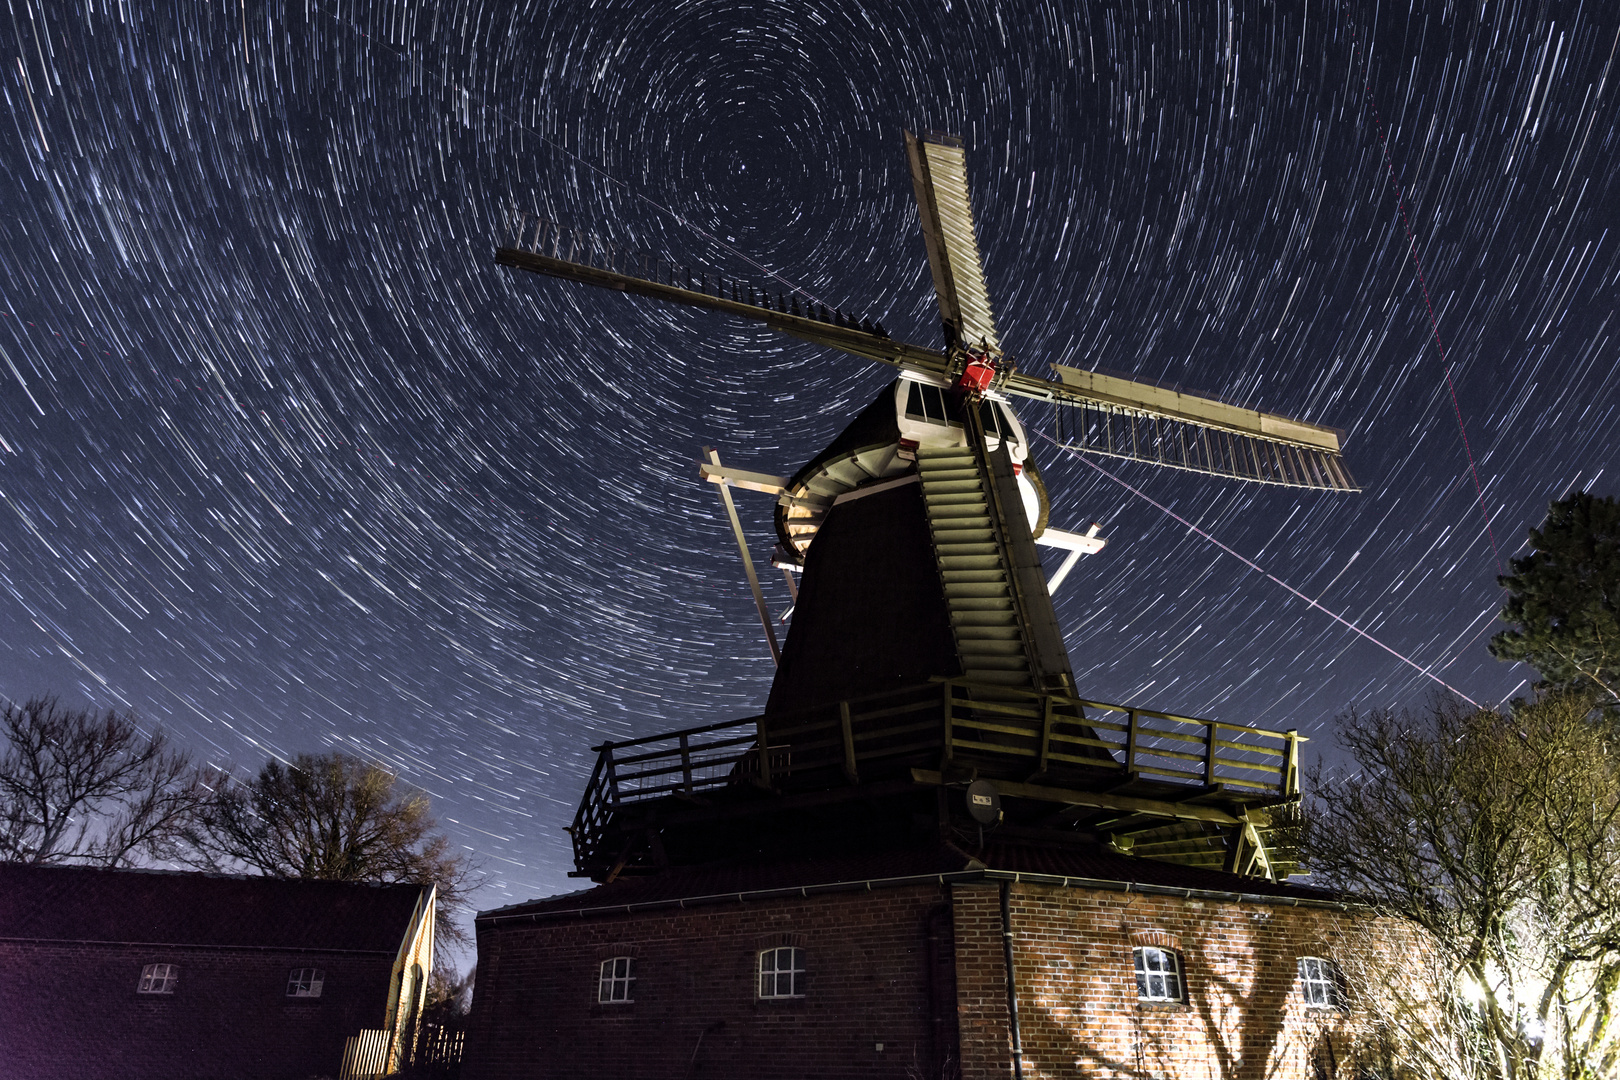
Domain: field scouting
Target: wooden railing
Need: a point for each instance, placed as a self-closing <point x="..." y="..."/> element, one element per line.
<point x="950" y="722"/>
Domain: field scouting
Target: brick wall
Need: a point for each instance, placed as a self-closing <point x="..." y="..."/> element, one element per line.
<point x="878" y="972"/>
<point x="1244" y="1015"/>
<point x="72" y="1011"/>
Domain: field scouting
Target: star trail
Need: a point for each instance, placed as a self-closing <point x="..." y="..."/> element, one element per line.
<point x="287" y="463"/>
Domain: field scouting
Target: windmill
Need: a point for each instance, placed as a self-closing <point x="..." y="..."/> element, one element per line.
<point x="924" y="651"/>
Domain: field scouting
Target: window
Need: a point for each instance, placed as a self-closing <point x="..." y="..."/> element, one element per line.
<point x="1321" y="982"/>
<point x="781" y="973"/>
<point x="1158" y="974"/>
<point x="305" y="982"/>
<point x="618" y="976"/>
<point x="926" y="403"/>
<point x="159" y="979"/>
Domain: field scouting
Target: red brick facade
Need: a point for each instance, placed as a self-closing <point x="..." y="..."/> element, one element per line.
<point x="1243" y="1015"/>
<point x="873" y="980"/>
<point x="73" y="1011"/>
<point x="919" y="971"/>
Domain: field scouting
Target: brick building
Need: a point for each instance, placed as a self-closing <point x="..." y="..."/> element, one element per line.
<point x="136" y="973"/>
<point x="898" y="970"/>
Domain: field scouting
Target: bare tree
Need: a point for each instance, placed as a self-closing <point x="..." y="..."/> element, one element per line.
<point x="1498" y="834"/>
<point x="75" y="787"/>
<point x="337" y="818"/>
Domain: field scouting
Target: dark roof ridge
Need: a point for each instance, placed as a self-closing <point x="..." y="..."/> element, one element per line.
<point x="219" y="875"/>
<point x="162" y="907"/>
<point x="942" y="862"/>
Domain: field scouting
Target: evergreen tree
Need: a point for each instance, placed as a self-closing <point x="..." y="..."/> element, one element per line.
<point x="1564" y="598"/>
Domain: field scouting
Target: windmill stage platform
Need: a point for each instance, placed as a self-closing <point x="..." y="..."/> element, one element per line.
<point x="1180" y="789"/>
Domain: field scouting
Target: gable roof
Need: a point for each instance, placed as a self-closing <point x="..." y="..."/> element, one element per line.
<point x="168" y="907"/>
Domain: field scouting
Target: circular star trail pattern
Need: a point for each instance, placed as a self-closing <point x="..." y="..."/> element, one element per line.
<point x="290" y="465"/>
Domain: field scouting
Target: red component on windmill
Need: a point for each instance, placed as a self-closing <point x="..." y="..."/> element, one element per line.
<point x="977" y="376"/>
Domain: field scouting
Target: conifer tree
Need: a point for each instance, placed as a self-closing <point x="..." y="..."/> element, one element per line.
<point x="1564" y="598"/>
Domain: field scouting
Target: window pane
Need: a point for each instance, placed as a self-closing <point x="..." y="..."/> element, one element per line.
<point x="987" y="418"/>
<point x="158" y="979"/>
<point x="1004" y="421"/>
<point x="934" y="400"/>
<point x="914" y="403"/>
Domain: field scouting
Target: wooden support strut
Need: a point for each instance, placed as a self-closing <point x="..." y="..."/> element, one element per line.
<point x="850" y="772"/>
<point x="748" y="567"/>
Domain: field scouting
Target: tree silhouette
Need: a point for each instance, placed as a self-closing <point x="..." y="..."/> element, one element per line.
<point x="336" y="818"/>
<point x="78" y="788"/>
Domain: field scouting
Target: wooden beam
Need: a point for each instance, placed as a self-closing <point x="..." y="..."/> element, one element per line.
<point x="753" y="578"/>
<point x="850" y="772"/>
<point x="1097" y="800"/>
<point x="764" y="483"/>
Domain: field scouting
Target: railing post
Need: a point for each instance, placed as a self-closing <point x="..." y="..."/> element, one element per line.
<point x="1046" y="732"/>
<point x="1290" y="774"/>
<point x="686" y="764"/>
<point x="948" y="752"/>
<point x="610" y="775"/>
<point x="1209" y="753"/>
<point x="850" y="772"/>
<point x="764" y="752"/>
<point x="1130" y="742"/>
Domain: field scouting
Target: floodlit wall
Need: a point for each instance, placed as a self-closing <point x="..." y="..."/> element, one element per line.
<point x="1243" y="1012"/>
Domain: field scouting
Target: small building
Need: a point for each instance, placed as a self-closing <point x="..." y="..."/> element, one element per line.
<point x="893" y="964"/>
<point x="172" y="975"/>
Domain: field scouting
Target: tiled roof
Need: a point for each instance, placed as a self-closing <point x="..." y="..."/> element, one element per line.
<point x="82" y="903"/>
<point x="1082" y="861"/>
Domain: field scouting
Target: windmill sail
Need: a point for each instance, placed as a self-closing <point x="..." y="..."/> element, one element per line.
<point x="939" y="175"/>
<point x="1124" y="418"/>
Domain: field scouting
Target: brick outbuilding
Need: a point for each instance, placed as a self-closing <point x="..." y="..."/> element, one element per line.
<point x="136" y="973"/>
<point x="897" y="969"/>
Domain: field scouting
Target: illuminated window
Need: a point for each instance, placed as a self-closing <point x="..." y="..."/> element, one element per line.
<point x="1158" y="974"/>
<point x="305" y="982"/>
<point x="1321" y="982"/>
<point x="159" y="979"/>
<point x="618" y="976"/>
<point x="781" y="973"/>
<point x="925" y="403"/>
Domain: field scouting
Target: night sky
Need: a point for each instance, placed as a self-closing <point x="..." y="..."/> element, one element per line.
<point x="287" y="463"/>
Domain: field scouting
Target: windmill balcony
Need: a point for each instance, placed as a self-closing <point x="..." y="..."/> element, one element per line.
<point x="1132" y="768"/>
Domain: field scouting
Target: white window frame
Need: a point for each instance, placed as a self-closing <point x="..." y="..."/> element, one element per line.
<point x="159" y="979"/>
<point x="616" y="981"/>
<point x="1321" y="983"/>
<point x="1158" y="975"/>
<point x="772" y="973"/>
<point x="305" y="982"/>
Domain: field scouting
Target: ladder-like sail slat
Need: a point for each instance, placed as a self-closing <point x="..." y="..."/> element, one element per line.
<point x="939" y="176"/>
<point x="1112" y="431"/>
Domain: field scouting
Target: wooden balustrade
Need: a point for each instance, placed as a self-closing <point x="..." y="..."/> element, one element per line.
<point x="949" y="723"/>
